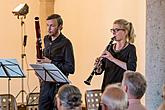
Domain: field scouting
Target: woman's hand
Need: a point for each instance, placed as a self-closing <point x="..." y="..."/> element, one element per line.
<point x="107" y="55"/>
<point x="97" y="60"/>
<point x="118" y="62"/>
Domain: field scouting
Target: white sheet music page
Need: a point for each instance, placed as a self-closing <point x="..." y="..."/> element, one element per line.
<point x="12" y="68"/>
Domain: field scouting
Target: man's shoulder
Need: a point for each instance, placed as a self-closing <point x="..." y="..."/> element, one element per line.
<point x="65" y="39"/>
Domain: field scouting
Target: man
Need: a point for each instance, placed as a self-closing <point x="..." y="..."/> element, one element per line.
<point x="58" y="51"/>
<point x="114" y="98"/>
<point x="135" y="86"/>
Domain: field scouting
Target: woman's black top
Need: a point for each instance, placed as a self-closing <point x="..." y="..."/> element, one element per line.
<point x="114" y="73"/>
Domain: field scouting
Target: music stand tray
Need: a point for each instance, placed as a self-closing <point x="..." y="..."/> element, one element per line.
<point x="9" y="68"/>
<point x="49" y="72"/>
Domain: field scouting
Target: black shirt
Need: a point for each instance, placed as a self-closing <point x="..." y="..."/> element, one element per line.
<point x="114" y="73"/>
<point x="60" y="51"/>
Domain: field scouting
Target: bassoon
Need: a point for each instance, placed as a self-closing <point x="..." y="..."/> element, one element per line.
<point x="39" y="40"/>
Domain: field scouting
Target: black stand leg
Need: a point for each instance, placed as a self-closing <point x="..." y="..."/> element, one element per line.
<point x="23" y="55"/>
<point x="9" y="101"/>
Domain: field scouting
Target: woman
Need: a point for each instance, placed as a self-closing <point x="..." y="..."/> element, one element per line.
<point x="121" y="55"/>
<point x="68" y="98"/>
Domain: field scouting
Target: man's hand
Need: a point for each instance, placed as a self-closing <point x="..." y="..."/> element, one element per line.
<point x="44" y="60"/>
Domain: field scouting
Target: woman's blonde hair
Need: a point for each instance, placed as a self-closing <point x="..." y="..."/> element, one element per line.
<point x="129" y="27"/>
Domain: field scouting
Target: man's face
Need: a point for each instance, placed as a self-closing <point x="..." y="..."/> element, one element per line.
<point x="52" y="27"/>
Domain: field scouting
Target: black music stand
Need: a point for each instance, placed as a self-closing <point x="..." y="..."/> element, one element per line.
<point x="49" y="72"/>
<point x="9" y="68"/>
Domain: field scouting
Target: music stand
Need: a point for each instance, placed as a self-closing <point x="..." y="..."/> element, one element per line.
<point x="9" y="68"/>
<point x="49" y="72"/>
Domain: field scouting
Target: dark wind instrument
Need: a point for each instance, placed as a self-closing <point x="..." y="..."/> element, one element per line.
<point x="97" y="69"/>
<point x="39" y="40"/>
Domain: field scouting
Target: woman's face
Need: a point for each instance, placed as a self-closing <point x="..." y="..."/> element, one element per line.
<point x="119" y="32"/>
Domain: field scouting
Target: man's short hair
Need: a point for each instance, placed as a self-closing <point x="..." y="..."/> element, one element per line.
<point x="114" y="98"/>
<point x="56" y="16"/>
<point x="135" y="82"/>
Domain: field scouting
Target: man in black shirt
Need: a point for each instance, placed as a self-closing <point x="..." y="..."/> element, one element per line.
<point x="58" y="51"/>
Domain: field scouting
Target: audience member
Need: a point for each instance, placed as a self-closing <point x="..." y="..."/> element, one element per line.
<point x="114" y="98"/>
<point x="68" y="98"/>
<point x="134" y="85"/>
<point x="162" y="106"/>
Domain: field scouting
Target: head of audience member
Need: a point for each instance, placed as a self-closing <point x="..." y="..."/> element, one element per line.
<point x="134" y="84"/>
<point x="68" y="98"/>
<point x="114" y="98"/>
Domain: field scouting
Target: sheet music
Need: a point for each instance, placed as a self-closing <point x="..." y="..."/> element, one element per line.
<point x="12" y="68"/>
<point x="53" y="73"/>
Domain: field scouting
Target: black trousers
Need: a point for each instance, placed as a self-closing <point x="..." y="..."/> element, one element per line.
<point x="48" y="90"/>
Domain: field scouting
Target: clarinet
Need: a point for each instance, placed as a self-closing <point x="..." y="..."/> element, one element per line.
<point x="97" y="69"/>
<point x="39" y="40"/>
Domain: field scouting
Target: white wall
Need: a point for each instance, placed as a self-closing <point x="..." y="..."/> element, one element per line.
<point x="11" y="42"/>
<point x="86" y="23"/>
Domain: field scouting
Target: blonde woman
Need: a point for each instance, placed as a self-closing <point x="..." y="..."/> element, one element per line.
<point x="121" y="55"/>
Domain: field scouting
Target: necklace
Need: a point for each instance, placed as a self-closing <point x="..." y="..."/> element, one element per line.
<point x="123" y="47"/>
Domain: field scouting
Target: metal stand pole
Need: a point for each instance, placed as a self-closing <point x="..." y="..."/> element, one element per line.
<point x="23" y="55"/>
<point x="9" y="94"/>
<point x="21" y="12"/>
